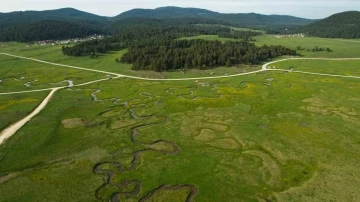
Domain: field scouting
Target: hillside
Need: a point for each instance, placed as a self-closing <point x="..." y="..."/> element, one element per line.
<point x="341" y="25"/>
<point x="127" y="23"/>
<point x="64" y="14"/>
<point x="14" y="25"/>
<point x="237" y="19"/>
<point x="44" y="30"/>
<point x="166" y="12"/>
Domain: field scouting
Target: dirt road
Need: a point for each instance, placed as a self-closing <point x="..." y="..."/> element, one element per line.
<point x="9" y="131"/>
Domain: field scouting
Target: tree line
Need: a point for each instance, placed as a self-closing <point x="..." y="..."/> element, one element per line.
<point x="92" y="48"/>
<point x="45" y="30"/>
<point x="135" y="34"/>
<point x="164" y="55"/>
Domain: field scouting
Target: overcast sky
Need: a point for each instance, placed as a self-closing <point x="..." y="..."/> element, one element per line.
<point x="300" y="8"/>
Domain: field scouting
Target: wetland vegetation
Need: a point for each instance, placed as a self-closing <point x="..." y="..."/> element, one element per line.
<point x="284" y="131"/>
<point x="277" y="133"/>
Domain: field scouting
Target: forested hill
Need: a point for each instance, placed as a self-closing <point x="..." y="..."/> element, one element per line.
<point x="63" y="14"/>
<point x="238" y="19"/>
<point x="125" y="24"/>
<point x="44" y="30"/>
<point x="73" y="15"/>
<point x="27" y="25"/>
<point x="341" y="25"/>
<point x="166" y="12"/>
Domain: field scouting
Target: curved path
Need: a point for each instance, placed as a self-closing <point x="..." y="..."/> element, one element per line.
<point x="12" y="129"/>
<point x="264" y="68"/>
<point x="317" y="74"/>
<point x="46" y="89"/>
<point x="9" y="131"/>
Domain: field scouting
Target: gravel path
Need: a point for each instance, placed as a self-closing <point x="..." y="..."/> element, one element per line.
<point x="9" y="131"/>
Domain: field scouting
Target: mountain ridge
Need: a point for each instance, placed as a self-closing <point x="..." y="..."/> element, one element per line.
<point x="340" y="25"/>
<point x="64" y="14"/>
<point x="73" y="14"/>
<point x="235" y="18"/>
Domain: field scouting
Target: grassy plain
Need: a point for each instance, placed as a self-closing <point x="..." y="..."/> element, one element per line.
<point x="15" y="107"/>
<point x="271" y="136"/>
<point x="107" y="62"/>
<point x="23" y="75"/>
<point x="247" y="29"/>
<point x="284" y="136"/>
<point x="342" y="48"/>
<point x="210" y="37"/>
<point x="345" y="67"/>
<point x="237" y="28"/>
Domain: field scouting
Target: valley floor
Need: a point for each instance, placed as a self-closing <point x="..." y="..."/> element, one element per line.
<point x="285" y="132"/>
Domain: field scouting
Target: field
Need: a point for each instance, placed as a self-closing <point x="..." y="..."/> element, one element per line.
<point x="23" y="75"/>
<point x="341" y="48"/>
<point x="15" y="107"/>
<point x="269" y="136"/>
<point x="237" y="28"/>
<point x="209" y="37"/>
<point x="344" y="67"/>
<point x="107" y="62"/>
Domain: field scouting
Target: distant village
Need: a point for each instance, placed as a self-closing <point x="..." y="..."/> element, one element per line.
<point x="290" y="35"/>
<point x="69" y="41"/>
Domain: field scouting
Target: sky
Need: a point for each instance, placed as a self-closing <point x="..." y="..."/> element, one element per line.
<point x="314" y="9"/>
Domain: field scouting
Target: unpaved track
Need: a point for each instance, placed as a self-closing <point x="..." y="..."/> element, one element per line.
<point x="56" y="64"/>
<point x="46" y="89"/>
<point x="317" y="74"/>
<point x="9" y="131"/>
<point x="264" y="68"/>
<point x="132" y="77"/>
<point x="12" y="129"/>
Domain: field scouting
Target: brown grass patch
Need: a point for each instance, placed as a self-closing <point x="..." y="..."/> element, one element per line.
<point x="206" y="135"/>
<point x="225" y="143"/>
<point x="72" y="123"/>
<point x="270" y="164"/>
<point x="122" y="123"/>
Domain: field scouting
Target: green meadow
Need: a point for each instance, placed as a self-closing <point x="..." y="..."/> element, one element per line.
<point x="24" y="75"/>
<point x="107" y="62"/>
<point x="209" y="37"/>
<point x="342" y="48"/>
<point x="284" y="136"/>
<point x="269" y="136"/>
<point x="15" y="107"/>
<point x="337" y="67"/>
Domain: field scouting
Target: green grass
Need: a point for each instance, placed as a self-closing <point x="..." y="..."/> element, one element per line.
<point x="210" y="37"/>
<point x="237" y="28"/>
<point x="247" y="29"/>
<point x="15" y="107"/>
<point x="107" y="62"/>
<point x="272" y="136"/>
<point x="346" y="67"/>
<point x="15" y="73"/>
<point x="287" y="141"/>
<point x="342" y="48"/>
